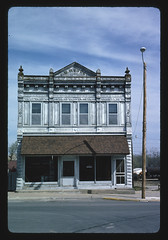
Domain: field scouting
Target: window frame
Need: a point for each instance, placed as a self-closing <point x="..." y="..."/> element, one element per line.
<point x="66" y="114"/>
<point x="37" y="114"/>
<point x="80" y="114"/>
<point x="113" y="114"/>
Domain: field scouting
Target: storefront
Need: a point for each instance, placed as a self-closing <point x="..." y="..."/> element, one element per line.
<point x="75" y="161"/>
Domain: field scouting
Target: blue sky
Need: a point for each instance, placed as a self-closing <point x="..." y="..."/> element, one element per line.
<point x="108" y="38"/>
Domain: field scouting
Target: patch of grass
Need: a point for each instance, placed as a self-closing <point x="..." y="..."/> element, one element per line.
<point x="137" y="188"/>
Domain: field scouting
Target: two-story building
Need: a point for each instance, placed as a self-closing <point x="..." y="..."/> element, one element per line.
<point x="74" y="129"/>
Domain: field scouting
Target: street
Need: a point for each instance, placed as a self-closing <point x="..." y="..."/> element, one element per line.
<point x="83" y="216"/>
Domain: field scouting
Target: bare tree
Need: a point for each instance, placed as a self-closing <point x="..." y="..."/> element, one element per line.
<point x="12" y="151"/>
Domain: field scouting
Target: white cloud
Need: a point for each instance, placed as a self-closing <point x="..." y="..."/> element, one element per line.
<point x="95" y="31"/>
<point x="105" y="38"/>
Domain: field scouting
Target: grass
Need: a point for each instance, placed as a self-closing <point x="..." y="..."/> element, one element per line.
<point x="137" y="188"/>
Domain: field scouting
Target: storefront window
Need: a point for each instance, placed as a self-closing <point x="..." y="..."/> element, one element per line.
<point x="86" y="168"/>
<point x="103" y="168"/>
<point x="41" y="169"/>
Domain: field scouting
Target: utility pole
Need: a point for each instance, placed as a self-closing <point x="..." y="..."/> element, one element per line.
<point x="144" y="127"/>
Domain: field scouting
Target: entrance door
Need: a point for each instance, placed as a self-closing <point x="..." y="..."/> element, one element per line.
<point x="68" y="173"/>
<point x="120" y="171"/>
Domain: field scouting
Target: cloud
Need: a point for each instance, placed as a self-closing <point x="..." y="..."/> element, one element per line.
<point x="95" y="31"/>
<point x="105" y="38"/>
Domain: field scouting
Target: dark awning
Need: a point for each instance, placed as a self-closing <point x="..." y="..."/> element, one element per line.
<point x="74" y="145"/>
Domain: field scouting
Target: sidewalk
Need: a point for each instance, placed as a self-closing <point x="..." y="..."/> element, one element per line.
<point x="151" y="195"/>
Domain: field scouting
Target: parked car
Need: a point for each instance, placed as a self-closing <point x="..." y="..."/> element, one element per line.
<point x="137" y="173"/>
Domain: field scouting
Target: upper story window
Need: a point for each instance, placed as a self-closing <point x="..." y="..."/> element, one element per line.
<point x="113" y="114"/>
<point x="66" y="114"/>
<point x="83" y="114"/>
<point x="36" y="113"/>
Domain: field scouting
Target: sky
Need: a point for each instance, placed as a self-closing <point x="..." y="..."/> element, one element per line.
<point x="108" y="38"/>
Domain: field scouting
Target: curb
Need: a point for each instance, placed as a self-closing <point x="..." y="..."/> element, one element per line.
<point x="75" y="198"/>
<point x="130" y="199"/>
<point x="121" y="199"/>
<point x="53" y="198"/>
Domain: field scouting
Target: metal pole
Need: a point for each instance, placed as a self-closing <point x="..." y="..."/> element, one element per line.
<point x="144" y="134"/>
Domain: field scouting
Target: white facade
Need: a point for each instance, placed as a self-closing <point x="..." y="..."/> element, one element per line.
<point x="75" y="101"/>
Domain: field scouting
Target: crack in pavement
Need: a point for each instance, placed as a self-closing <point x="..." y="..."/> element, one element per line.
<point x="112" y="223"/>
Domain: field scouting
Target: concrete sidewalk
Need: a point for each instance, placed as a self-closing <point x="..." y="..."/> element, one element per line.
<point x="151" y="195"/>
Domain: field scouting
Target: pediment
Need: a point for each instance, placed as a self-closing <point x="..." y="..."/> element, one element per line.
<point x="75" y="69"/>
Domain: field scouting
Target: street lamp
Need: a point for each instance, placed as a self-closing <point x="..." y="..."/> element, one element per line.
<point x="142" y="49"/>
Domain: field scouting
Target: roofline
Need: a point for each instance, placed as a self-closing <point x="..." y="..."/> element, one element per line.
<point x="78" y="65"/>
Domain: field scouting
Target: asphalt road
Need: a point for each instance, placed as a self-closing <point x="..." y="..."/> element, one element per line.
<point x="83" y="216"/>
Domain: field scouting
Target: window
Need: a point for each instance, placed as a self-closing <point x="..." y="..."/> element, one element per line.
<point x="36" y="113"/>
<point x="83" y="114"/>
<point x="113" y="114"/>
<point x="103" y="168"/>
<point x="120" y="171"/>
<point x="68" y="168"/>
<point x="41" y="169"/>
<point x="66" y="114"/>
<point x="86" y="168"/>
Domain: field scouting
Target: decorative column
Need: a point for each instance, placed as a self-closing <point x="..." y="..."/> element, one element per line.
<point x="98" y="96"/>
<point x="128" y="100"/>
<point x="50" y="98"/>
<point x="98" y="84"/>
<point x="20" y="181"/>
<point x="128" y="126"/>
<point x="20" y="96"/>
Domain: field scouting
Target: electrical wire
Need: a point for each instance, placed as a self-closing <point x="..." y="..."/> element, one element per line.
<point x="138" y="111"/>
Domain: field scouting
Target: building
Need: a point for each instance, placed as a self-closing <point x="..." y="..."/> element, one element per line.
<point x="74" y="129"/>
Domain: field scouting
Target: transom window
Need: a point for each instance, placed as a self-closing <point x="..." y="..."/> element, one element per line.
<point x="36" y="113"/>
<point x="83" y="114"/>
<point x="113" y="114"/>
<point x="66" y="114"/>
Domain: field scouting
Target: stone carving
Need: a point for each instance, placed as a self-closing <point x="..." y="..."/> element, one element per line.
<point x="74" y="69"/>
<point x="20" y="74"/>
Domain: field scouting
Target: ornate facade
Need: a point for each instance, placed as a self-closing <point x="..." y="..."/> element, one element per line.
<point x="74" y="129"/>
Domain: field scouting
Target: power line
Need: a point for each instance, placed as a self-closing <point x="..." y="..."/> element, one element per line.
<point x="138" y="111"/>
